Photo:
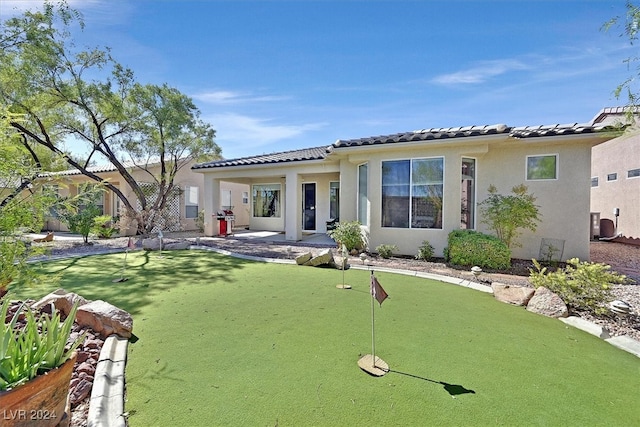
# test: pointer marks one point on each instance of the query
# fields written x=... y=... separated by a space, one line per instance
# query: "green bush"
x=200 y=221
x=348 y=234
x=425 y=251
x=581 y=285
x=385 y=251
x=103 y=227
x=468 y=248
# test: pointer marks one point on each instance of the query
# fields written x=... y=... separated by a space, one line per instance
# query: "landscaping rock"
x=152 y=244
x=177 y=246
x=512 y=294
x=302 y=259
x=323 y=258
x=79 y=391
x=105 y=319
x=61 y=299
x=547 y=303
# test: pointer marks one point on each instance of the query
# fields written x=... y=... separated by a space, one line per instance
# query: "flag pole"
x=373 y=329
x=369 y=362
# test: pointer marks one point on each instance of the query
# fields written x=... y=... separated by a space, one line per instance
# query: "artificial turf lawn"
x=224 y=341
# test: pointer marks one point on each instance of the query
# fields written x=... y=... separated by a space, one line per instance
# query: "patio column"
x=292 y=208
x=211 y=199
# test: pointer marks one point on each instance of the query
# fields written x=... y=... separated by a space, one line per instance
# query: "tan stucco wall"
x=618 y=156
x=185 y=177
x=287 y=175
x=564 y=203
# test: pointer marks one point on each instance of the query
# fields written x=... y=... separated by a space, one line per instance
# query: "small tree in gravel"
x=80 y=212
x=507 y=215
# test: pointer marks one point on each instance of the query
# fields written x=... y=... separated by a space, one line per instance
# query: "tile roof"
x=471 y=131
x=315 y=153
x=554 y=130
x=422 y=135
x=92 y=169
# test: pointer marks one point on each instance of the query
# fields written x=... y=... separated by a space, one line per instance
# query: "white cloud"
x=480 y=73
x=236 y=132
x=231 y=97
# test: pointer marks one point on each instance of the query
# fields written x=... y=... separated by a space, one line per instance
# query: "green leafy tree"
x=62 y=93
x=508 y=215
x=628 y=26
x=22 y=208
x=80 y=212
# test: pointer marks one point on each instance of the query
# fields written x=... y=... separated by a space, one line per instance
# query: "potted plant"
x=36 y=364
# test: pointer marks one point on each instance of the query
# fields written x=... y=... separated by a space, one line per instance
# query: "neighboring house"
x=615 y=178
x=183 y=207
x=410 y=187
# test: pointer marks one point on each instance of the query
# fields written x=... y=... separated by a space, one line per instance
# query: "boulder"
x=512 y=294
x=177 y=246
x=323 y=258
x=151 y=244
x=301 y=259
x=62 y=300
x=547 y=303
x=105 y=319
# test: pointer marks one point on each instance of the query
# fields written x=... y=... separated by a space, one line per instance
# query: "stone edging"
x=106 y=407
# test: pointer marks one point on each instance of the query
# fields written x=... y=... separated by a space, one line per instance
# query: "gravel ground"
x=622 y=258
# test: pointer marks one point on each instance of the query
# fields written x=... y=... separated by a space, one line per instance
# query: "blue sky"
x=279 y=75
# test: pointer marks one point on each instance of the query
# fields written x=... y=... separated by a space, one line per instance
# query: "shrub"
x=103 y=226
x=425 y=251
x=581 y=285
x=506 y=215
x=200 y=221
x=468 y=247
x=348 y=234
x=385 y=251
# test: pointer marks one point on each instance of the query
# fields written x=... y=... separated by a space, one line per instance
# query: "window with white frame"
x=245 y=197
x=612 y=177
x=363 y=198
x=334 y=200
x=266 y=200
x=542 y=167
x=633 y=173
x=594 y=181
x=191 y=202
x=412 y=193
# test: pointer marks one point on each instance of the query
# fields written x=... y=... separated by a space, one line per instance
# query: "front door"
x=309 y=206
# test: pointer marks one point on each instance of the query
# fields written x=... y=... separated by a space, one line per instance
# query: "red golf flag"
x=376 y=290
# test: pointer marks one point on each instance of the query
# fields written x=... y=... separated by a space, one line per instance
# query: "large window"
x=542 y=167
x=266 y=200
x=191 y=202
x=363 y=182
x=412 y=193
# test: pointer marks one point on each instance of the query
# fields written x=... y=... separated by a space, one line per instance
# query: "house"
x=418 y=186
x=615 y=179
x=184 y=207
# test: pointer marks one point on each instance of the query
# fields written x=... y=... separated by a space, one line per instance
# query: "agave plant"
x=35 y=348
